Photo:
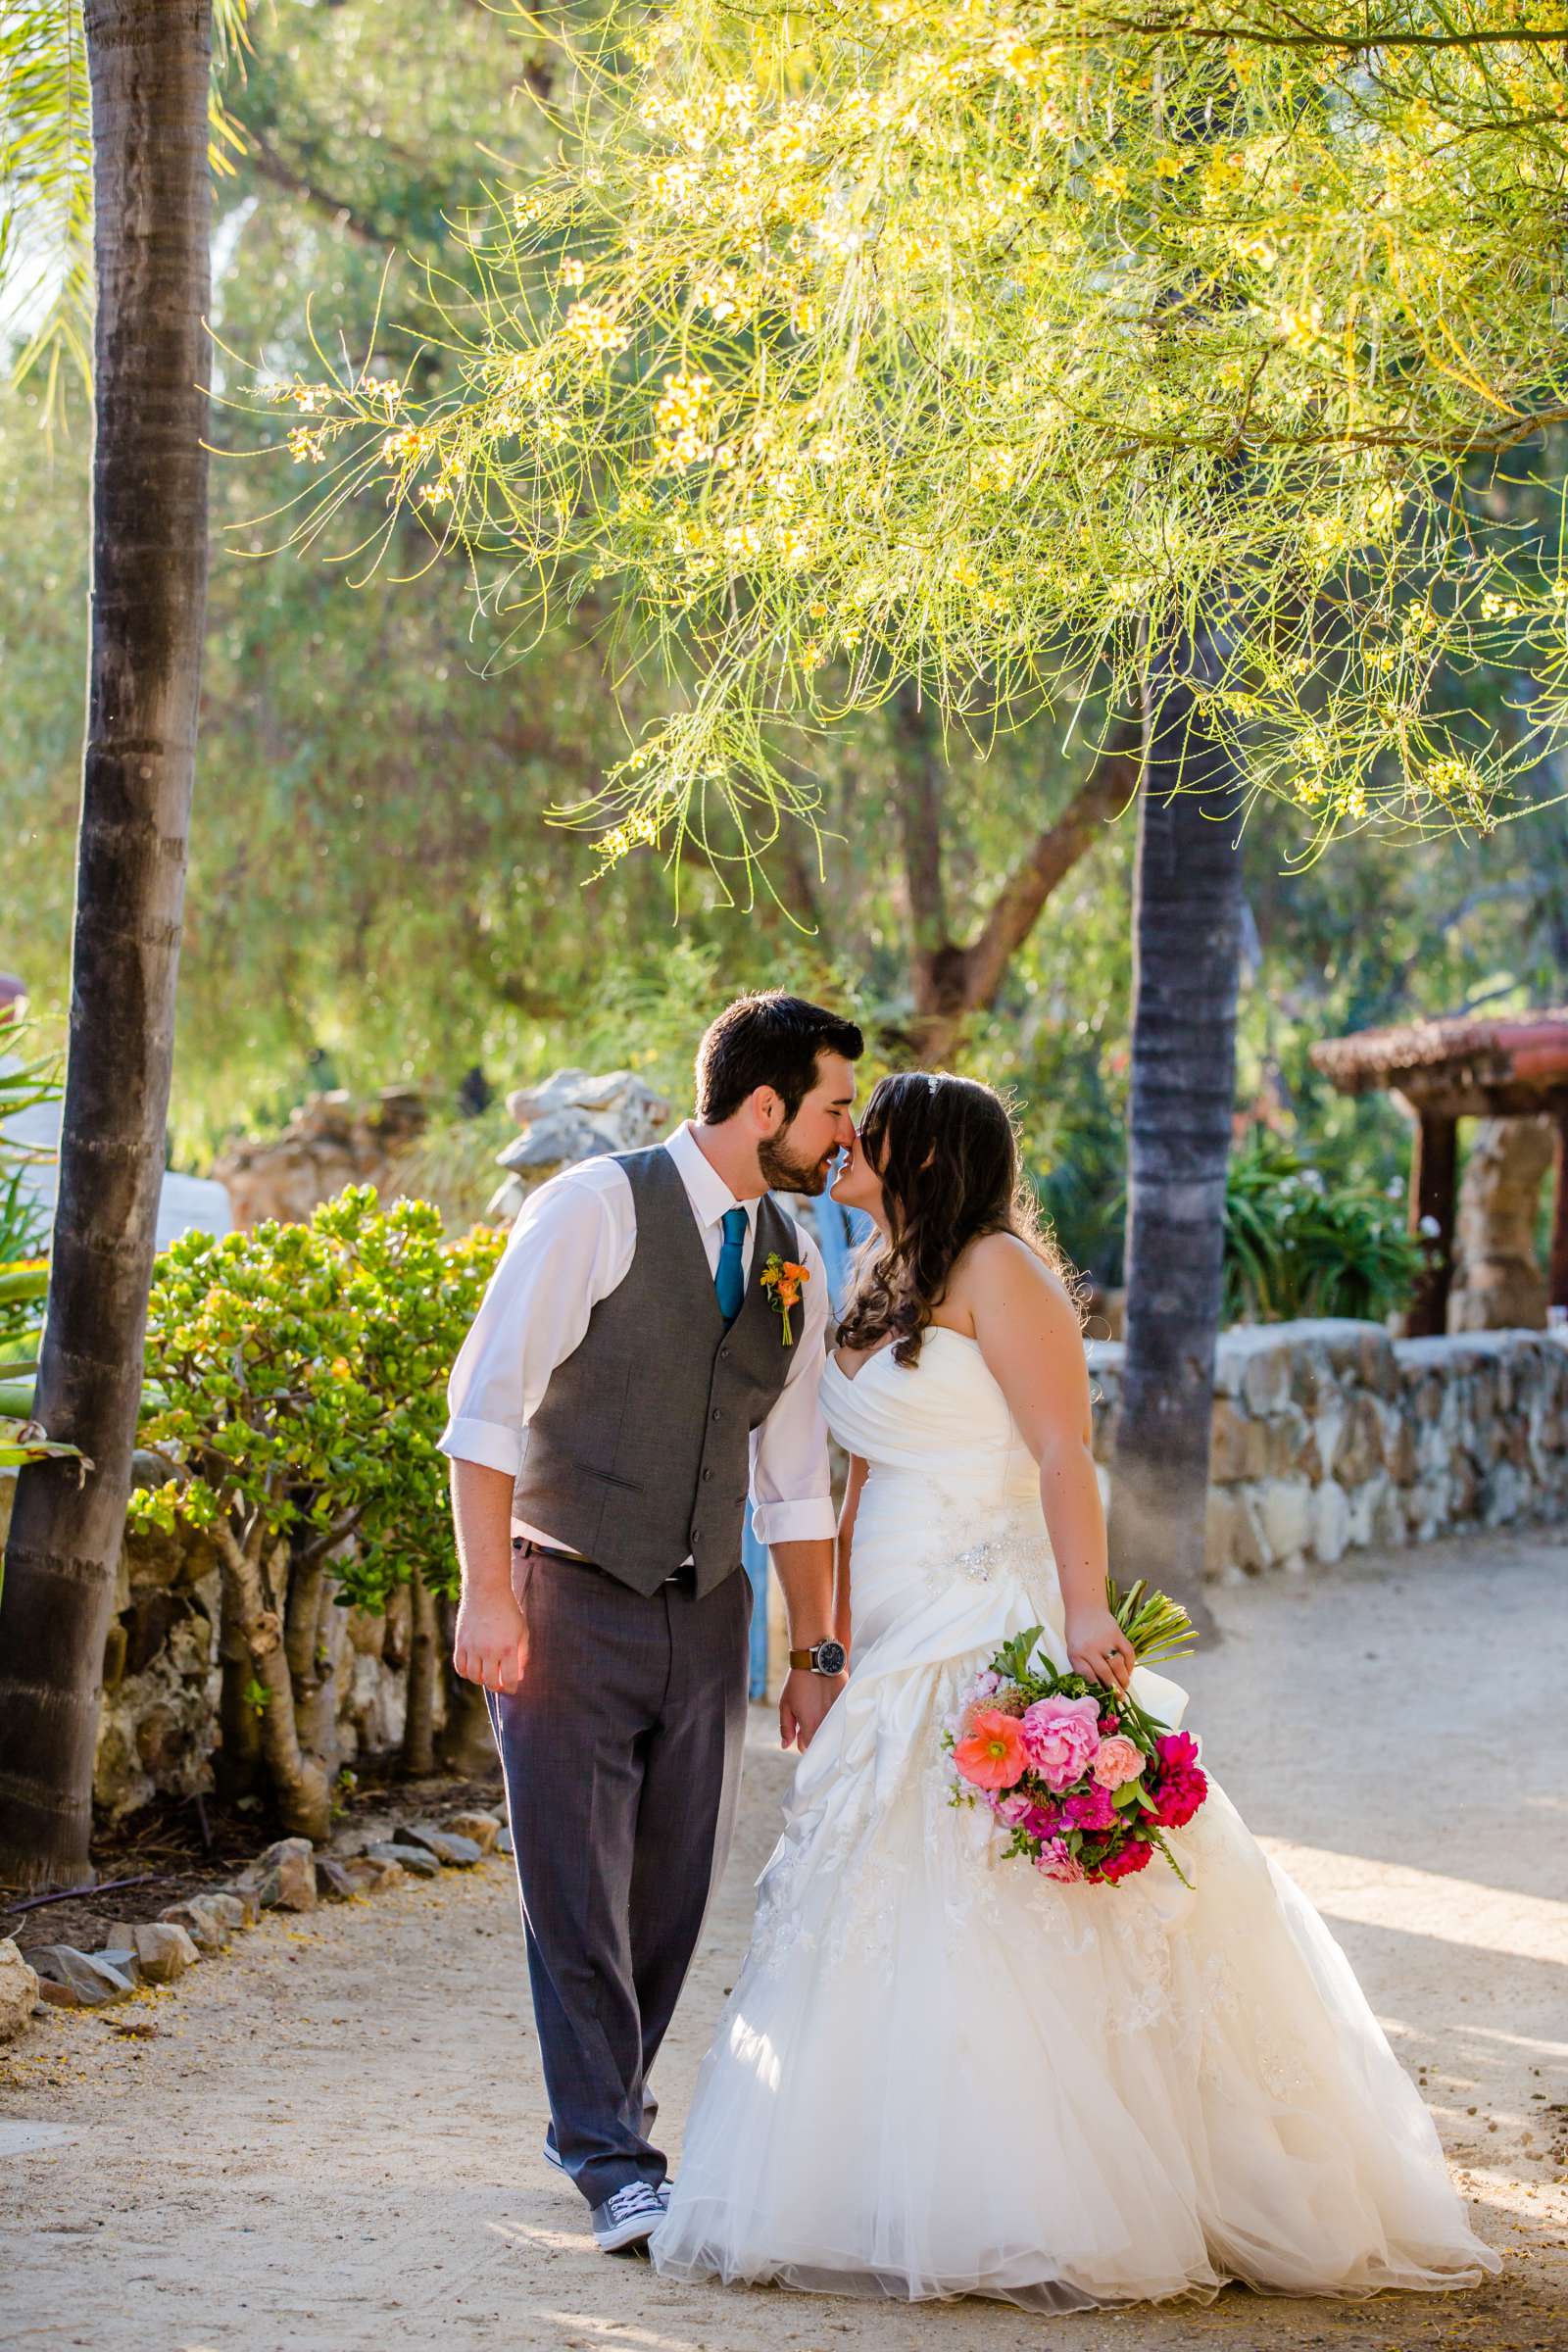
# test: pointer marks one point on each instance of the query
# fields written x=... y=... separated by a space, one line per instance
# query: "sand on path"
x=330 y=2138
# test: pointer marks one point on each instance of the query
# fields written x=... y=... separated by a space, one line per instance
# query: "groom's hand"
x=803 y=1702
x=490 y=1645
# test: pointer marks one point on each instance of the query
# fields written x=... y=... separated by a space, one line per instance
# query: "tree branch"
x=271 y=166
x=1055 y=851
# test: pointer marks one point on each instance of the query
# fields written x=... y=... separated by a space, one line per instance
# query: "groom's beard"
x=787 y=1174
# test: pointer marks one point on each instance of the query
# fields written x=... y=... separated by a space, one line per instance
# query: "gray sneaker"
x=625 y=2222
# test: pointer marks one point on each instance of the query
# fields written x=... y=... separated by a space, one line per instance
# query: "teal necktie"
x=729 y=1276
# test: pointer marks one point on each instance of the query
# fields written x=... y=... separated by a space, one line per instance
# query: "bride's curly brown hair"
x=947 y=1157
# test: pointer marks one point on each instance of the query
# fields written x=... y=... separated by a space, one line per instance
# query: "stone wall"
x=158 y=1727
x=1330 y=1436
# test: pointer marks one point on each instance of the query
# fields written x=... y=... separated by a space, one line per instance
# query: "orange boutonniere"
x=784 y=1281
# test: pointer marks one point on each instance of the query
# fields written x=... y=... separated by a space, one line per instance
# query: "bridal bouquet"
x=1082 y=1780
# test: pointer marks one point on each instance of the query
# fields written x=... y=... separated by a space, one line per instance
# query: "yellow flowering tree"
x=1027 y=356
x=993 y=346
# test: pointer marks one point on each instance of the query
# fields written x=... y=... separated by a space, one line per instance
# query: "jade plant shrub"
x=1297 y=1244
x=297 y=1390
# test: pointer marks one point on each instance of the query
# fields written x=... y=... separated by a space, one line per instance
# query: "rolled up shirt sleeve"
x=792 y=1488
x=566 y=1253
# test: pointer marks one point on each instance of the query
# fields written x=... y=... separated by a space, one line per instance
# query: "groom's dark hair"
x=768 y=1039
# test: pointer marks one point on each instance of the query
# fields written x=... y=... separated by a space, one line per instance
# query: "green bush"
x=1297 y=1244
x=297 y=1390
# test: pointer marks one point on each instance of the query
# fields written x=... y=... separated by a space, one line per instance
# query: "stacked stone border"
x=289 y=1877
x=1329 y=1435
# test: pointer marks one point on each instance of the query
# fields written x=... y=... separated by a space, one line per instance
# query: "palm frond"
x=46 y=289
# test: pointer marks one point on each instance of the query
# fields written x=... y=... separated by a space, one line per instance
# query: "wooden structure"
x=1444 y=1071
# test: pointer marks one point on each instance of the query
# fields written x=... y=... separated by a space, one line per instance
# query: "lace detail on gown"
x=1193 y=2086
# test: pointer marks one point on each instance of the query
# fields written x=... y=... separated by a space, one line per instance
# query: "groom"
x=629 y=1377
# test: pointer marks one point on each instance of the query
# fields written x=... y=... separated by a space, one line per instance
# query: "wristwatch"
x=827 y=1658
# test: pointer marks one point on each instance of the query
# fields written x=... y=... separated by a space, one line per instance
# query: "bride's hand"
x=1099 y=1650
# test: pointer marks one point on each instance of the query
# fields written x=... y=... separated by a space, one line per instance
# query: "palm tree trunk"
x=148 y=62
x=1186 y=955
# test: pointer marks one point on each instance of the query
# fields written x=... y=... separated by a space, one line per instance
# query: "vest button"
x=707 y=1475
x=719 y=1413
x=723 y=1355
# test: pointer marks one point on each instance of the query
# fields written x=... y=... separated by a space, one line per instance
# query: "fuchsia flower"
x=1091 y=1809
x=1134 y=1855
x=1061 y=1735
x=994 y=1754
x=1116 y=1762
x=1181 y=1787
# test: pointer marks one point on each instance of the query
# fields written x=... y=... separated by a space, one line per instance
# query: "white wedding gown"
x=940 y=2075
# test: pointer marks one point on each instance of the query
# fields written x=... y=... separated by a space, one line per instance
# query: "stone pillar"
x=1498 y=1283
x=1557 y=1271
x=1433 y=1160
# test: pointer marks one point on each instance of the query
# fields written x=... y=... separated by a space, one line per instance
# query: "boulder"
x=164 y=1949
x=19 y=1990
x=572 y=1117
x=482 y=1827
x=415 y=1859
x=73 y=1979
x=334 y=1883
x=504 y=1845
x=458 y=1852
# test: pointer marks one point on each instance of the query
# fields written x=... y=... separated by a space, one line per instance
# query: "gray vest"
x=639 y=1454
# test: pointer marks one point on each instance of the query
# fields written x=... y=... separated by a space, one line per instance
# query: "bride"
x=943 y=2075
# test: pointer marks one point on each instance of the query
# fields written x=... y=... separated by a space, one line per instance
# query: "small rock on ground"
x=73 y=1979
x=284 y=1878
x=164 y=1949
x=458 y=1852
x=412 y=1858
x=19 y=1990
x=483 y=1828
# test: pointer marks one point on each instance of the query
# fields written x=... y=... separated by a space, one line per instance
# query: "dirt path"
x=330 y=2139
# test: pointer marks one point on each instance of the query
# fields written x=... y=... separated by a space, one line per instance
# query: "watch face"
x=830 y=1658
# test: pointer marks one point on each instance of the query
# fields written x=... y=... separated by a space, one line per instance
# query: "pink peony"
x=1061 y=1735
x=1116 y=1762
x=1013 y=1810
x=1181 y=1787
x=1133 y=1856
x=1090 y=1810
x=992 y=1756
x=1056 y=1862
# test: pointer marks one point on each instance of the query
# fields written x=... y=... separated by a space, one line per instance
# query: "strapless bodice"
x=941 y=1421
x=950 y=1512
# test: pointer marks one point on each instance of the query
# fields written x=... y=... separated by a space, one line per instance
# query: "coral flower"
x=992 y=1756
x=1116 y=1762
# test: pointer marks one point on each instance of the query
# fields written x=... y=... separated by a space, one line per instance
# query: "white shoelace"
x=637 y=2198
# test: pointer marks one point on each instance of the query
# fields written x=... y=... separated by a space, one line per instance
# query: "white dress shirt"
x=571 y=1246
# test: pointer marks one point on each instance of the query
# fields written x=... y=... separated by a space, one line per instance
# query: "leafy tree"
x=301 y=1383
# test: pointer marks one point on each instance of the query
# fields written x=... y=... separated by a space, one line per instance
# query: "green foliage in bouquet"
x=1296 y=1245
x=298 y=1390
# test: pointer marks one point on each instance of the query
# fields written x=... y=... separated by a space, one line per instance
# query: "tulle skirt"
x=943 y=2074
